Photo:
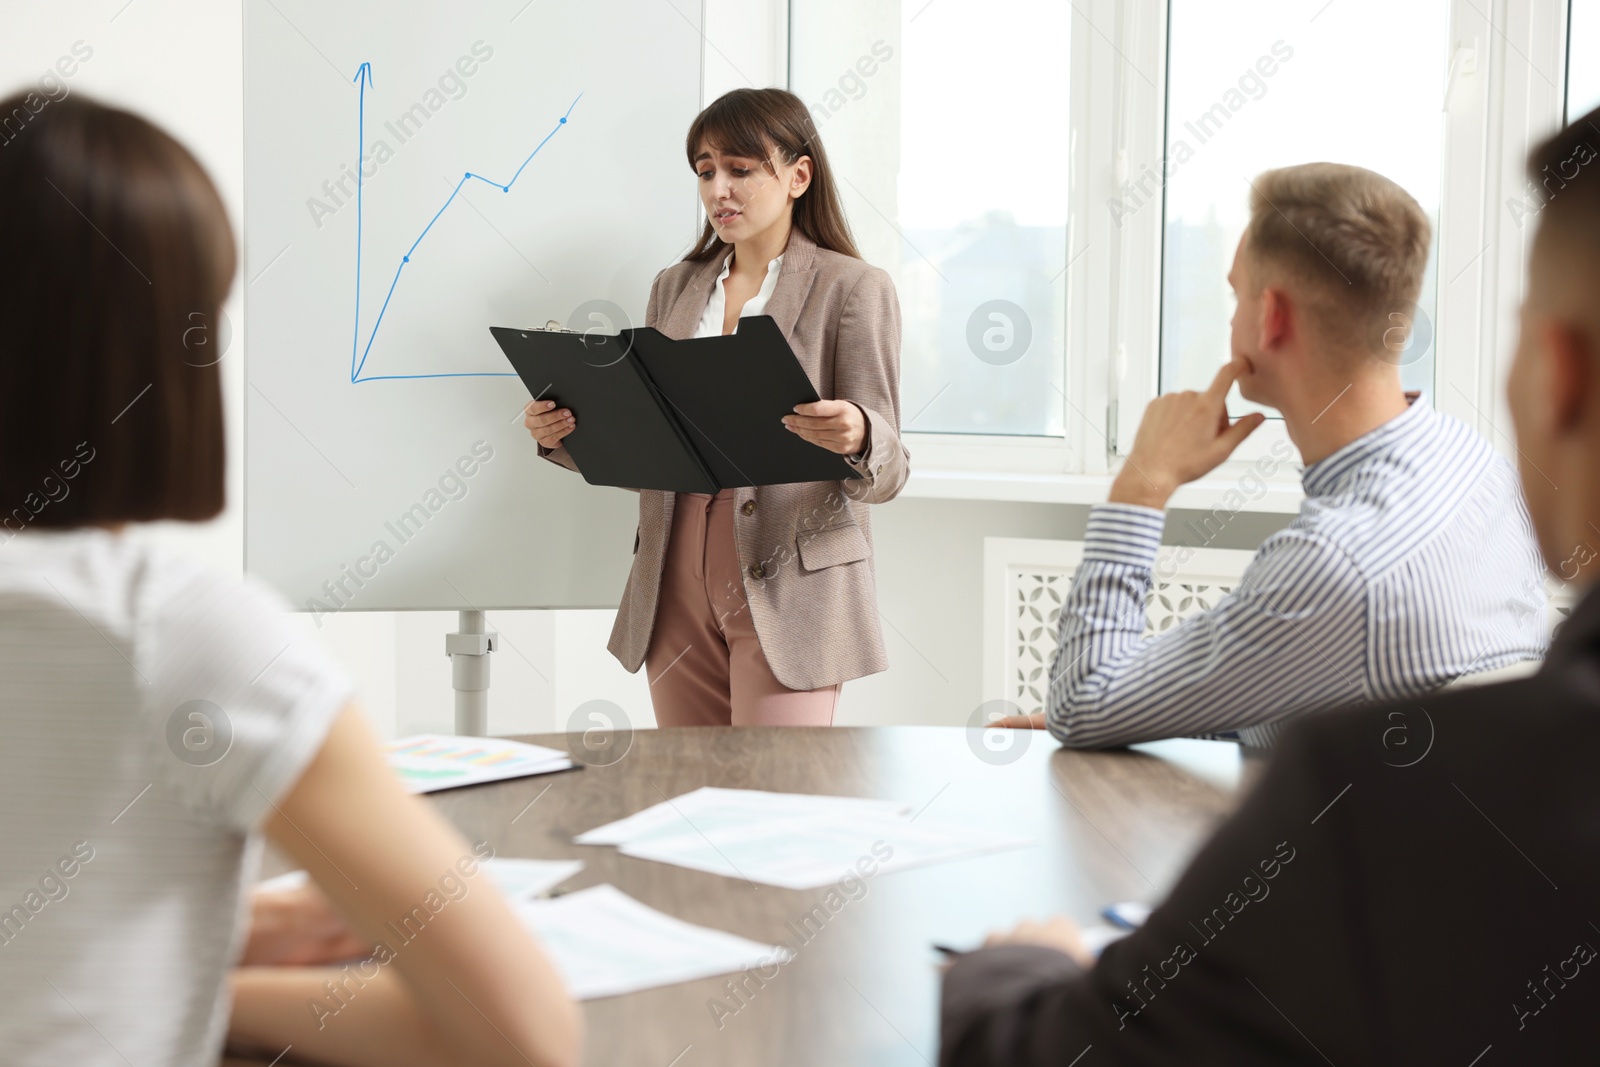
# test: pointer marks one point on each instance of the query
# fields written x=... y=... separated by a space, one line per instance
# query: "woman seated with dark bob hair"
x=157 y=717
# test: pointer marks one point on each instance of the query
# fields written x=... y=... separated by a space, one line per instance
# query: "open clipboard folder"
x=690 y=416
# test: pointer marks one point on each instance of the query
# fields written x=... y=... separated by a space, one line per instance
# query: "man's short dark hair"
x=115 y=257
x=1565 y=170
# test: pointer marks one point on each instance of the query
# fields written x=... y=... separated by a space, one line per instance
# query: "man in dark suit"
x=1415 y=882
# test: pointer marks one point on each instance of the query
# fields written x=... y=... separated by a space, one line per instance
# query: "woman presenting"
x=754 y=605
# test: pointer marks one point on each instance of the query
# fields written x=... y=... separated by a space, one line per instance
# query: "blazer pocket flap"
x=826 y=548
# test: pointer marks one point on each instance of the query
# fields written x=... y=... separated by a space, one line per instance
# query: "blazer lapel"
x=794 y=281
x=788 y=295
x=684 y=315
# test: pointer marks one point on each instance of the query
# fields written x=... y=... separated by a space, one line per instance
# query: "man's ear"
x=1276 y=324
x=1570 y=379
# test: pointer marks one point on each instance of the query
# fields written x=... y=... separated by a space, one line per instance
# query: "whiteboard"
x=519 y=162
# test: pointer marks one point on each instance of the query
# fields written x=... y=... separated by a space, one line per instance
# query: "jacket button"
x=749 y=507
x=757 y=571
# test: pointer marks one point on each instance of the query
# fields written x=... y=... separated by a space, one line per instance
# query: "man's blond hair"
x=1356 y=241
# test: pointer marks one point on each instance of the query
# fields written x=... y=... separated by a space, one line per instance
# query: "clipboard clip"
x=552 y=326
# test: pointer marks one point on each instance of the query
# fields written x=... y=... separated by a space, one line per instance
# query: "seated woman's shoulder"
x=177 y=586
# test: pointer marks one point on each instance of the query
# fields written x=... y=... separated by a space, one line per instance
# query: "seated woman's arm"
x=470 y=986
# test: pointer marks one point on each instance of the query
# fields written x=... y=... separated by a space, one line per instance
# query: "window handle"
x=1463 y=62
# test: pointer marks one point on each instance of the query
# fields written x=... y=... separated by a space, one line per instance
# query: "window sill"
x=1280 y=498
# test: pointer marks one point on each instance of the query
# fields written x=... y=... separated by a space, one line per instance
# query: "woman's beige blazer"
x=805 y=550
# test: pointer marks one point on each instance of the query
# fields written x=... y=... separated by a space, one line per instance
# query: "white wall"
x=177 y=61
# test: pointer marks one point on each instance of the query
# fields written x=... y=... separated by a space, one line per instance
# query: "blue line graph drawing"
x=363 y=79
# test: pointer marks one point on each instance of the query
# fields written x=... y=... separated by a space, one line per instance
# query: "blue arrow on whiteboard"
x=363 y=79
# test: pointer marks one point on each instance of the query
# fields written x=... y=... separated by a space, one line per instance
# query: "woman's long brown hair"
x=116 y=256
x=759 y=123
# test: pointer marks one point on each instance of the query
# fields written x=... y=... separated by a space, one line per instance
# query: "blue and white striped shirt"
x=1412 y=562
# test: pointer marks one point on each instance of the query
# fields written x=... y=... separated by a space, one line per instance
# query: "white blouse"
x=717 y=306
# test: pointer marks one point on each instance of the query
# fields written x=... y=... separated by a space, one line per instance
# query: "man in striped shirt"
x=1411 y=563
x=1367 y=905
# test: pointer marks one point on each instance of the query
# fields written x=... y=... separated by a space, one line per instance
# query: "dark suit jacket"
x=1410 y=883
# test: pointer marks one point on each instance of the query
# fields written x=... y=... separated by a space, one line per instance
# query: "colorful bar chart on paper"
x=427 y=762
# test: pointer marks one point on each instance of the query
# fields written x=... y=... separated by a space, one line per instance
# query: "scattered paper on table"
x=709 y=808
x=524 y=879
x=810 y=851
x=605 y=943
x=428 y=762
x=519 y=879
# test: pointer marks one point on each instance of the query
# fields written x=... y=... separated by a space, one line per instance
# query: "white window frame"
x=1496 y=116
x=1506 y=92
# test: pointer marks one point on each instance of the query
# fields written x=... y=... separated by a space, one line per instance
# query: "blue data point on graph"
x=363 y=78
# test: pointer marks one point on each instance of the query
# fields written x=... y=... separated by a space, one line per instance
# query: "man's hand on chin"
x=1183 y=436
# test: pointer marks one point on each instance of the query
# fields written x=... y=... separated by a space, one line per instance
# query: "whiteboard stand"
x=469 y=671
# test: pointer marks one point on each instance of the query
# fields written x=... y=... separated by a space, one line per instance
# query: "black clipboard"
x=691 y=416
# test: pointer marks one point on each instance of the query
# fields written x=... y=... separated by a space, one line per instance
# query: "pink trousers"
x=705 y=663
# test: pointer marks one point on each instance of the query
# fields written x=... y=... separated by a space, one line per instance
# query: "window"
x=1088 y=163
x=948 y=133
x=1276 y=83
x=1583 y=58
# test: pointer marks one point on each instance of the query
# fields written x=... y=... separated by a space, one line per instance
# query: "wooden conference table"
x=863 y=990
